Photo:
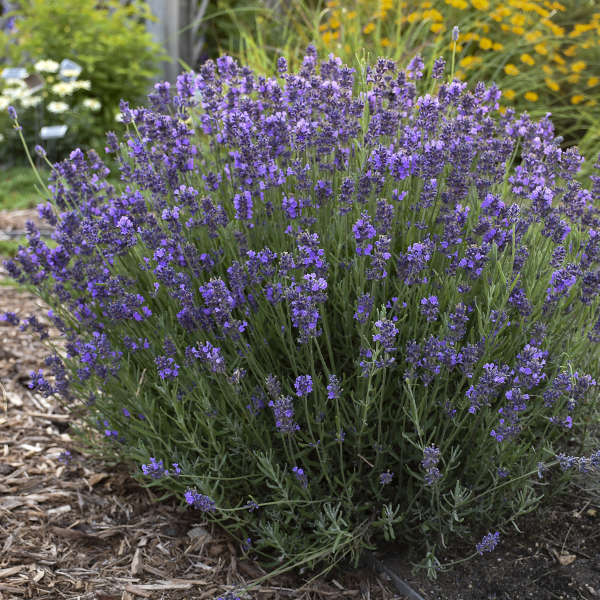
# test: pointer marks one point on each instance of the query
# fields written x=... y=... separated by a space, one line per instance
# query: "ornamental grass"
x=328 y=308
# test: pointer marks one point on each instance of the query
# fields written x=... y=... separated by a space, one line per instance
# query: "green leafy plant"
x=328 y=308
x=109 y=40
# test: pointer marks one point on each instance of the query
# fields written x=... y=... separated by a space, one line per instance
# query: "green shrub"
x=328 y=311
x=110 y=42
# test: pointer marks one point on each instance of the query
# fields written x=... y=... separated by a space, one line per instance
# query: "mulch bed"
x=85 y=529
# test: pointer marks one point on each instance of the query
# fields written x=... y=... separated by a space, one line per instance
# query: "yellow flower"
x=414 y=16
x=540 y=11
x=433 y=15
x=518 y=30
x=368 y=28
x=578 y=66
x=541 y=48
x=577 y=99
x=557 y=58
x=581 y=28
x=385 y=42
x=334 y=23
x=480 y=4
x=485 y=43
x=573 y=78
x=333 y=3
x=518 y=20
x=509 y=94
x=591 y=102
x=500 y=13
x=504 y=27
x=531 y=96
x=497 y=46
x=533 y=36
x=557 y=30
x=467 y=61
x=592 y=81
x=438 y=27
x=552 y=84
x=351 y=14
x=329 y=36
x=570 y=51
x=547 y=69
x=502 y=110
x=460 y=4
x=510 y=69
x=323 y=27
x=527 y=59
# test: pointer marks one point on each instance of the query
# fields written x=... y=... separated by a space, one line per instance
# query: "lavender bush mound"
x=326 y=310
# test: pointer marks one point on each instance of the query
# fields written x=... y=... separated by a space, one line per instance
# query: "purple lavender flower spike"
x=199 y=501
x=283 y=411
x=303 y=385
x=488 y=543
x=301 y=476
x=386 y=478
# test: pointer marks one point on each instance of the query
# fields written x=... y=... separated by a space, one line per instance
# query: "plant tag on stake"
x=14 y=73
x=69 y=70
x=53 y=132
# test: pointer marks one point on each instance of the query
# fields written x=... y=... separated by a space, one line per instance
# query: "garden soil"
x=84 y=529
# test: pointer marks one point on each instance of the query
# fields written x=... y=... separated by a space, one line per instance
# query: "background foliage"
x=109 y=40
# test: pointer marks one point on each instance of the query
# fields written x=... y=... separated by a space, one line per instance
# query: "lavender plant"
x=327 y=310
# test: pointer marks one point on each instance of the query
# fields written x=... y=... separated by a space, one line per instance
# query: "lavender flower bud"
x=488 y=543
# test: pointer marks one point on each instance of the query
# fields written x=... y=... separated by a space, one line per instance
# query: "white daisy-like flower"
x=92 y=104
x=31 y=101
x=46 y=66
x=84 y=84
x=119 y=117
x=57 y=107
x=63 y=89
x=4 y=103
x=70 y=72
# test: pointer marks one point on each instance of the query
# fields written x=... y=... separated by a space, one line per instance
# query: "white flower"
x=14 y=93
x=84 y=84
x=70 y=72
x=31 y=101
x=4 y=103
x=46 y=66
x=57 y=107
x=119 y=117
x=1 y=138
x=93 y=104
x=63 y=89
